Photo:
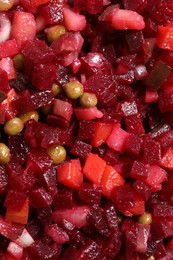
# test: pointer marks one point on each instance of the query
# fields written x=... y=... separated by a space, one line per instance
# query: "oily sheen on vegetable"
x=86 y=130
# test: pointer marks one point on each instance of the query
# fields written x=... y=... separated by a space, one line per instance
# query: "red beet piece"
x=134 y=40
x=151 y=150
x=57 y=234
x=111 y=157
x=34 y=228
x=48 y=181
x=55 y=120
x=97 y=219
x=128 y=108
x=91 y=250
x=163 y=212
x=139 y=171
x=143 y=189
x=77 y=216
x=90 y=193
x=136 y=5
x=142 y=234
x=134 y=124
x=39 y=198
x=134 y=144
x=18 y=149
x=26 y=101
x=43 y=251
x=86 y=130
x=111 y=216
x=100 y=83
x=52 y=13
x=160 y=229
x=43 y=76
x=81 y=149
x=62 y=75
x=10 y=230
x=165 y=102
x=128 y=201
x=39 y=160
x=4 y=86
x=14 y=200
x=63 y=199
x=3 y=178
x=45 y=215
x=112 y=245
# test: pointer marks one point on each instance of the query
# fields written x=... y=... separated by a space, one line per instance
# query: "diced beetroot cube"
x=10 y=230
x=77 y=216
x=59 y=121
x=26 y=101
x=87 y=113
x=90 y=193
x=134 y=124
x=33 y=227
x=40 y=198
x=128 y=201
x=48 y=181
x=133 y=144
x=156 y=176
x=91 y=250
x=165 y=101
x=62 y=75
x=167 y=193
x=18 y=149
x=161 y=229
x=128 y=108
x=41 y=250
x=57 y=234
x=161 y=252
x=151 y=96
x=14 y=200
x=68 y=42
x=151 y=151
x=143 y=189
x=73 y=20
x=4 y=82
x=81 y=149
x=117 y=138
x=8 y=49
x=39 y=160
x=143 y=232
x=63 y=199
x=6 y=64
x=163 y=212
x=137 y=5
x=167 y=160
x=111 y=216
x=86 y=130
x=70 y=174
x=53 y=12
x=139 y=171
x=44 y=76
x=62 y=108
x=37 y=52
x=134 y=40
x=111 y=157
x=80 y=5
x=23 y=28
x=3 y=178
x=45 y=215
x=97 y=219
x=14 y=250
x=93 y=7
x=112 y=246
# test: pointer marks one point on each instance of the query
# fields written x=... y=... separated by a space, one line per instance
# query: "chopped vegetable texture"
x=86 y=129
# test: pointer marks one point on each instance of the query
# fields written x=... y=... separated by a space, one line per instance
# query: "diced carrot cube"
x=94 y=168
x=110 y=180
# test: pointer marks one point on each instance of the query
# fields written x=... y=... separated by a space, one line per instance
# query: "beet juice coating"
x=86 y=129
